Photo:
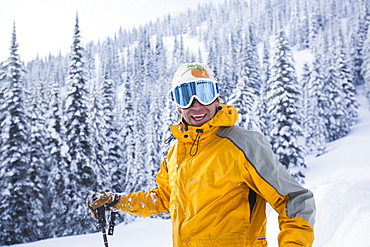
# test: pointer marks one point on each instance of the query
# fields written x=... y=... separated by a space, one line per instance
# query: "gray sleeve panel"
x=257 y=151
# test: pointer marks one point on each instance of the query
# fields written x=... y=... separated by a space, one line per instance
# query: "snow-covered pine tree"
x=153 y=139
x=90 y=63
x=159 y=95
x=98 y=138
x=39 y=167
x=261 y=110
x=214 y=54
x=113 y=169
x=110 y=64
x=358 y=38
x=111 y=78
x=135 y=129
x=294 y=23
x=143 y=85
x=245 y=94
x=313 y=123
x=342 y=63
x=178 y=53
x=333 y=105
x=243 y=99
x=303 y=27
x=169 y=113
x=3 y=89
x=284 y=104
x=113 y=152
x=304 y=78
x=16 y=187
x=316 y=24
x=238 y=47
x=128 y=129
x=318 y=99
x=125 y=136
x=2 y=74
x=228 y=71
x=252 y=61
x=53 y=147
x=80 y=178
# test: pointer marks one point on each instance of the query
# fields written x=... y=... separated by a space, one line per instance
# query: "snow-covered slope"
x=341 y=183
x=144 y=232
x=340 y=180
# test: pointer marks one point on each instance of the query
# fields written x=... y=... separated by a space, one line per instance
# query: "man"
x=217 y=177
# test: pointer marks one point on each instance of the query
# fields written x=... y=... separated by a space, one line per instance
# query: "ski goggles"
x=205 y=91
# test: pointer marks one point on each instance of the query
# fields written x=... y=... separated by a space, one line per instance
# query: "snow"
x=144 y=232
x=340 y=180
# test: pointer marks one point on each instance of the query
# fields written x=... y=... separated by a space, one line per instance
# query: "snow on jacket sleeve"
x=149 y=203
x=269 y=178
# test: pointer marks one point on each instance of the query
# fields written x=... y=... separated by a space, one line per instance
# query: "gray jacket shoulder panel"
x=257 y=151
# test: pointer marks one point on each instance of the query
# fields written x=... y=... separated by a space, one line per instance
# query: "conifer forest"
x=98 y=117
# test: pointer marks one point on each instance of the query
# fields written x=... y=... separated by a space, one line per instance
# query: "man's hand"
x=99 y=199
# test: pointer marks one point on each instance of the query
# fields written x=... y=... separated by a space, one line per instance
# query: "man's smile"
x=198 y=117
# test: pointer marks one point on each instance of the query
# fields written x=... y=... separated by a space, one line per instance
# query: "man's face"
x=197 y=114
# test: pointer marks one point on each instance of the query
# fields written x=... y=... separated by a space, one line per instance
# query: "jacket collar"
x=227 y=115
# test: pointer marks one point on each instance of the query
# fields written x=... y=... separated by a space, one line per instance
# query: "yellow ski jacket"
x=215 y=181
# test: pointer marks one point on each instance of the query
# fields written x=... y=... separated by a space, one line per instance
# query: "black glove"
x=99 y=199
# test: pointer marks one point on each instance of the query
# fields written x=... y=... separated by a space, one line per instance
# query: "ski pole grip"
x=101 y=213
x=101 y=216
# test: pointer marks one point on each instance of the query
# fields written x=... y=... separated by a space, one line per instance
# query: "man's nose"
x=196 y=104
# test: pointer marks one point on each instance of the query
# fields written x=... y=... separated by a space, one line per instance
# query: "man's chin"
x=198 y=123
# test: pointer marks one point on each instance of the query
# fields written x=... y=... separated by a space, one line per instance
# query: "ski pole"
x=112 y=223
x=102 y=223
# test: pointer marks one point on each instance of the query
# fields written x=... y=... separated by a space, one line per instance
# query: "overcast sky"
x=46 y=26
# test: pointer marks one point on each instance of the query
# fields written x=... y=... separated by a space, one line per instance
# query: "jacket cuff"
x=115 y=201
